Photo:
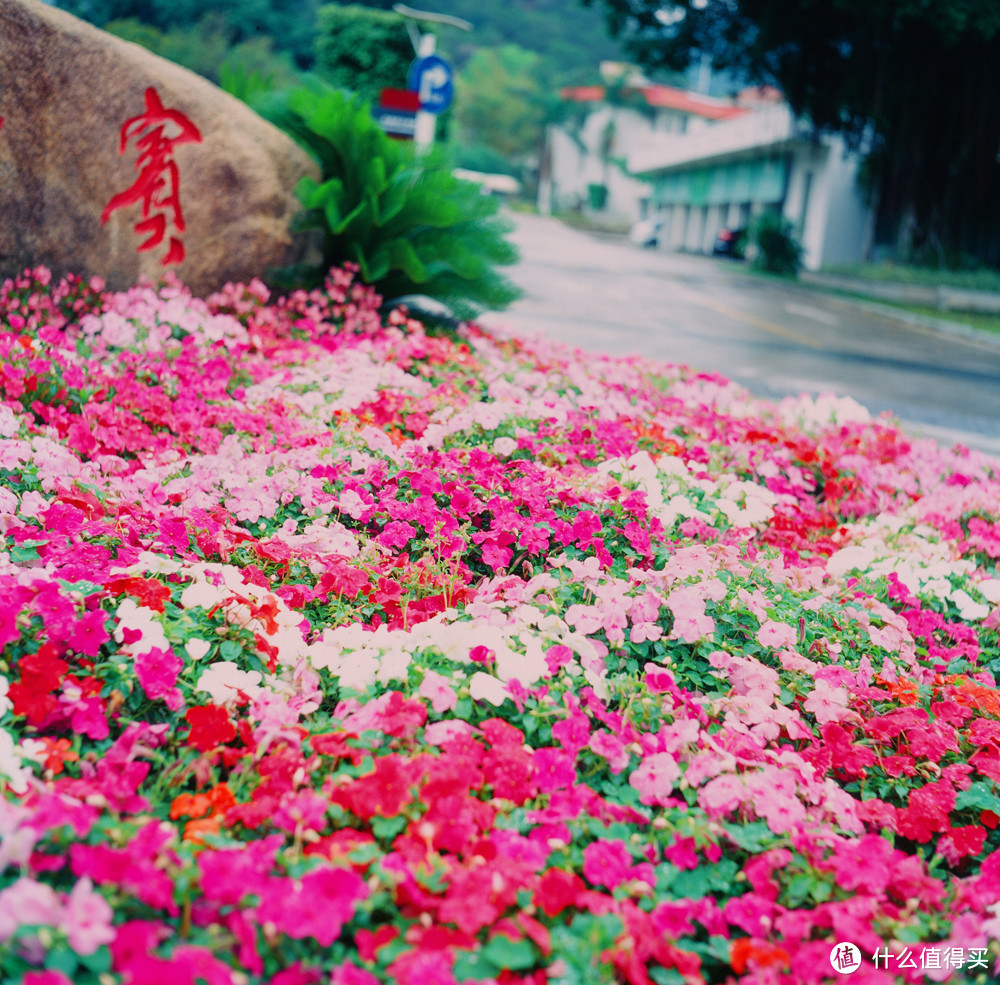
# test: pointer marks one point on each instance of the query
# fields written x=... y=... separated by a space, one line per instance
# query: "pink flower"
x=655 y=778
x=611 y=748
x=351 y=974
x=828 y=704
x=690 y=620
x=776 y=634
x=88 y=919
x=28 y=903
x=317 y=905
x=554 y=769
x=89 y=633
x=45 y=978
x=438 y=690
x=723 y=794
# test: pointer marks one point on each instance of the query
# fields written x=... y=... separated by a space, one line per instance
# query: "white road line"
x=807 y=311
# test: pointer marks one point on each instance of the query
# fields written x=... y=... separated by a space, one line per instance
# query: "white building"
x=703 y=165
x=586 y=161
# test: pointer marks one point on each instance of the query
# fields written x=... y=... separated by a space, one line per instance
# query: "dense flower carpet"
x=338 y=651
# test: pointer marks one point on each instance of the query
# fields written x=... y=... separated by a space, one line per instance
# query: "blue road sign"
x=431 y=78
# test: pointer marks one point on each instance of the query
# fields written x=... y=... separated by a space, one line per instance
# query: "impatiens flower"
x=826 y=703
x=157 y=672
x=317 y=905
x=605 y=744
x=655 y=778
x=224 y=681
x=776 y=634
x=87 y=919
x=608 y=863
x=28 y=903
x=210 y=727
x=691 y=622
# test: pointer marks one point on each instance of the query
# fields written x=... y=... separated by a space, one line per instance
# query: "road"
x=603 y=294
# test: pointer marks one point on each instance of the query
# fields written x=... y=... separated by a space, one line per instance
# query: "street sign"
x=396 y=112
x=430 y=77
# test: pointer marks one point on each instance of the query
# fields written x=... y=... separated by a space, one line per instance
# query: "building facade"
x=701 y=165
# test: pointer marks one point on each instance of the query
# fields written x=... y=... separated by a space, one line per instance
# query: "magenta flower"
x=607 y=863
x=157 y=672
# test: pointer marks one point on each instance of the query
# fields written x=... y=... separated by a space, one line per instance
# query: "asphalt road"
x=604 y=294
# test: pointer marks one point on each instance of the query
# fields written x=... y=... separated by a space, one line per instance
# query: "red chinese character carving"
x=156 y=133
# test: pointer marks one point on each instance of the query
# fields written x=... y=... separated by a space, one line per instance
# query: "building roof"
x=758 y=132
x=662 y=97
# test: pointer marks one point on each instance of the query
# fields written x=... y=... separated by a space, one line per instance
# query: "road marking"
x=747 y=319
x=809 y=312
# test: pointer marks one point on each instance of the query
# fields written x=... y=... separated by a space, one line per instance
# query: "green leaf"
x=386 y=828
x=754 y=837
x=25 y=551
x=506 y=953
x=99 y=962
x=231 y=650
x=980 y=796
x=62 y=959
x=471 y=966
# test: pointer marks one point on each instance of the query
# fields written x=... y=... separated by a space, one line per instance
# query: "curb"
x=941 y=325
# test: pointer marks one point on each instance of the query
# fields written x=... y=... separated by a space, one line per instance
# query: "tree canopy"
x=914 y=85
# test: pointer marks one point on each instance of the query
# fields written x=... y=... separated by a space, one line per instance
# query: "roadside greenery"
x=777 y=249
x=409 y=224
x=976 y=278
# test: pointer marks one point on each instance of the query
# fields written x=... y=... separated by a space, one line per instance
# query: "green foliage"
x=289 y=24
x=409 y=224
x=361 y=49
x=778 y=251
x=501 y=101
x=480 y=157
x=208 y=48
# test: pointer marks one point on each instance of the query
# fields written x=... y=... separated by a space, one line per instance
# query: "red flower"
x=148 y=591
x=41 y=673
x=210 y=727
x=745 y=951
x=384 y=792
x=557 y=890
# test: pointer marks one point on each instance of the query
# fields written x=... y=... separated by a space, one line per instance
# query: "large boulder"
x=116 y=162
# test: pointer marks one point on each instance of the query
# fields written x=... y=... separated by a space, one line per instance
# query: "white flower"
x=138 y=617
x=223 y=679
x=485 y=687
x=968 y=607
x=356 y=670
x=393 y=666
x=197 y=648
x=504 y=446
x=10 y=764
x=201 y=593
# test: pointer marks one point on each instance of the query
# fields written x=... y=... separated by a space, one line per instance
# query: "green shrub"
x=778 y=251
x=409 y=224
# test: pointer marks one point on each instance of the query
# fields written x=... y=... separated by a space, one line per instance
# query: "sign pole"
x=423 y=137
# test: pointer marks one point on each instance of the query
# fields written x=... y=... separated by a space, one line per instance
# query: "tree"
x=501 y=101
x=914 y=85
x=291 y=24
x=362 y=49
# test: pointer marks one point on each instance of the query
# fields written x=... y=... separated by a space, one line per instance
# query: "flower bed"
x=338 y=652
